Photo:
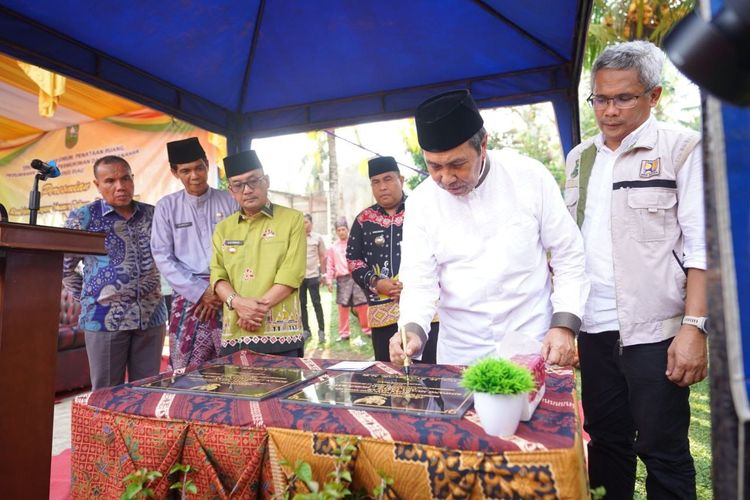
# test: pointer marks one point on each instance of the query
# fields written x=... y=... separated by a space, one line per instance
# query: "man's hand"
x=559 y=346
x=687 y=357
x=389 y=288
x=208 y=306
x=395 y=348
x=330 y=287
x=250 y=311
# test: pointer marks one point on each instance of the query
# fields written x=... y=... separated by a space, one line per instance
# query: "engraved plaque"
x=427 y=396
x=252 y=382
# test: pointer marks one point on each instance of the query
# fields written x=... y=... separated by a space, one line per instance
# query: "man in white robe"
x=488 y=243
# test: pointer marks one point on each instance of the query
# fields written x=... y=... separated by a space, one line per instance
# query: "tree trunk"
x=334 y=197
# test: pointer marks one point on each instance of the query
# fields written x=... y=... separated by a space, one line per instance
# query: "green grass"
x=700 y=437
x=700 y=444
x=358 y=347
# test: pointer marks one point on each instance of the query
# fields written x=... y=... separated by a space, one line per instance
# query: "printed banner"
x=139 y=137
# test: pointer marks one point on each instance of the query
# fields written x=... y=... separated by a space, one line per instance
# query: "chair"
x=72 y=362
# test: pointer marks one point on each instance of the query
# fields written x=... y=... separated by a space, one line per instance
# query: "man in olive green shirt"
x=257 y=265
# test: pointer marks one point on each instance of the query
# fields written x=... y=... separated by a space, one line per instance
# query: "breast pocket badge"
x=650 y=168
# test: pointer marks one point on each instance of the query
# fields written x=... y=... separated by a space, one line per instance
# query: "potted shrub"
x=500 y=390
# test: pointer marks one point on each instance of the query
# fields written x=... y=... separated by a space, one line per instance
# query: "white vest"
x=650 y=281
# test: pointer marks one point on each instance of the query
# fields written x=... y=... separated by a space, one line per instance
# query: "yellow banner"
x=139 y=137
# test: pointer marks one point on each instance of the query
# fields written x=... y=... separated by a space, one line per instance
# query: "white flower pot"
x=500 y=413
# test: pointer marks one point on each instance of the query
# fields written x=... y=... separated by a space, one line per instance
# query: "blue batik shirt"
x=122 y=290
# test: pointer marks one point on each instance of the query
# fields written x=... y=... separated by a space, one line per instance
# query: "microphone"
x=46 y=169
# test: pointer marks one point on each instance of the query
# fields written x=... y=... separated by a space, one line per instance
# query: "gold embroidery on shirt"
x=248 y=274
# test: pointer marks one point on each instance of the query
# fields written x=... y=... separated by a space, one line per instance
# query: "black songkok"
x=447 y=120
x=381 y=165
x=185 y=151
x=241 y=163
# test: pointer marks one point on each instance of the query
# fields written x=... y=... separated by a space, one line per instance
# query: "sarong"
x=348 y=292
x=192 y=342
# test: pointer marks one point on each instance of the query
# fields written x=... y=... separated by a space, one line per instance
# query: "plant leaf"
x=304 y=471
x=131 y=491
x=498 y=376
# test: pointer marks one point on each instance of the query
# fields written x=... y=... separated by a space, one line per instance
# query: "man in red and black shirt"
x=374 y=255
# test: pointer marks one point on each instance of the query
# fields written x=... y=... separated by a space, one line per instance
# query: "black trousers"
x=631 y=408
x=381 y=336
x=313 y=286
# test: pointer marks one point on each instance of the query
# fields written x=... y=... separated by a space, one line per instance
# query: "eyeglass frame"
x=240 y=186
x=590 y=99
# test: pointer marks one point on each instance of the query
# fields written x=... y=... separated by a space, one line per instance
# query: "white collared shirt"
x=484 y=256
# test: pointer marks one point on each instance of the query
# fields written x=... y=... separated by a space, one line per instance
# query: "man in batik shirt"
x=122 y=310
x=374 y=256
x=181 y=243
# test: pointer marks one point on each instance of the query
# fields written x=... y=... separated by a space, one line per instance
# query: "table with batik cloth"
x=237 y=447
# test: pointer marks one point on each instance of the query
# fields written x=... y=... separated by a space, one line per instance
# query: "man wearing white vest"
x=636 y=191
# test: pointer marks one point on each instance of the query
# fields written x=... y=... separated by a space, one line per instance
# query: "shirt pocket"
x=272 y=252
x=650 y=213
x=235 y=255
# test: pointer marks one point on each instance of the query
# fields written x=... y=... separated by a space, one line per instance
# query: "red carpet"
x=59 y=478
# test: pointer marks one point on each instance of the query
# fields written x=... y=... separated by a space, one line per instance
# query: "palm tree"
x=333 y=178
x=625 y=20
x=615 y=21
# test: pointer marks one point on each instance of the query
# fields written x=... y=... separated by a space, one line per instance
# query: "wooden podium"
x=31 y=259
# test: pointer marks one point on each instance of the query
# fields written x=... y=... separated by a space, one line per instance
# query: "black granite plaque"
x=426 y=396
x=252 y=382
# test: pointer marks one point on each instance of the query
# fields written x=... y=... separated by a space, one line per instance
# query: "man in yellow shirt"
x=257 y=265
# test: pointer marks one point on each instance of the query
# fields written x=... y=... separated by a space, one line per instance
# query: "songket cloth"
x=242 y=447
x=373 y=252
x=191 y=341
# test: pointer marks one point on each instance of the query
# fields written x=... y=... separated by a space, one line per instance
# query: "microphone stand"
x=34 y=198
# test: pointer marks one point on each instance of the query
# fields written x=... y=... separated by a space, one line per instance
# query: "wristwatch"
x=229 y=300
x=700 y=322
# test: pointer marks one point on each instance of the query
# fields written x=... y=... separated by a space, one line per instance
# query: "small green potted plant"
x=501 y=390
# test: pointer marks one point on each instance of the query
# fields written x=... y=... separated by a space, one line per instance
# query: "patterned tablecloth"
x=237 y=446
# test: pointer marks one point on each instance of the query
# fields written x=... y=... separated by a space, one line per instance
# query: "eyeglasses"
x=238 y=187
x=622 y=101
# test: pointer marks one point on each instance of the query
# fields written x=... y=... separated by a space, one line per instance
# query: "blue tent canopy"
x=255 y=68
